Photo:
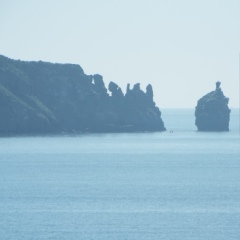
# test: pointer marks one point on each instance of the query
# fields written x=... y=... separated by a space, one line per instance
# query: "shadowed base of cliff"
x=41 y=97
x=212 y=112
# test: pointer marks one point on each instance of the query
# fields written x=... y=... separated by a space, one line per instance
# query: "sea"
x=175 y=185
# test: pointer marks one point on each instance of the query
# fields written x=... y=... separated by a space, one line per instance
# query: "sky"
x=181 y=47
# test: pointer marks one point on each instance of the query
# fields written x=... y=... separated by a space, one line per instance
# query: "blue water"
x=183 y=185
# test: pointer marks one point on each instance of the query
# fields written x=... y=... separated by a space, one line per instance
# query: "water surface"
x=183 y=185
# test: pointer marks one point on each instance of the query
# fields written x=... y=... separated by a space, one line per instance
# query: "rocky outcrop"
x=212 y=112
x=136 y=110
x=40 y=97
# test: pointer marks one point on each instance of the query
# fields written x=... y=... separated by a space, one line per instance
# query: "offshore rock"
x=212 y=112
x=41 y=97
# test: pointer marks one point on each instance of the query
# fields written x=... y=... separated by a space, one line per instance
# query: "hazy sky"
x=181 y=47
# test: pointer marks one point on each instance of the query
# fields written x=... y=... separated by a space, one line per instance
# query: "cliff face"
x=40 y=97
x=212 y=112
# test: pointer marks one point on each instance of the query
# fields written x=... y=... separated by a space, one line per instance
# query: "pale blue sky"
x=181 y=47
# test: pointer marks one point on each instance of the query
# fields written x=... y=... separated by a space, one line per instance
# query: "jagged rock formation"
x=212 y=112
x=40 y=97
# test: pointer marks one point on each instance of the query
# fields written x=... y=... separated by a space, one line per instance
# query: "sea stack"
x=212 y=112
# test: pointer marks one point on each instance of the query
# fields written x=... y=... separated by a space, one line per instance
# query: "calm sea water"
x=183 y=185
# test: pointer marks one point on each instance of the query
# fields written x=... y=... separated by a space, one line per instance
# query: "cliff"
x=212 y=112
x=41 y=97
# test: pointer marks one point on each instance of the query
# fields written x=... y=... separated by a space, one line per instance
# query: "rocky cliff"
x=41 y=97
x=212 y=112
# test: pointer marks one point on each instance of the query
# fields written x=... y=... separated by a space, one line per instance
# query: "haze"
x=181 y=47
